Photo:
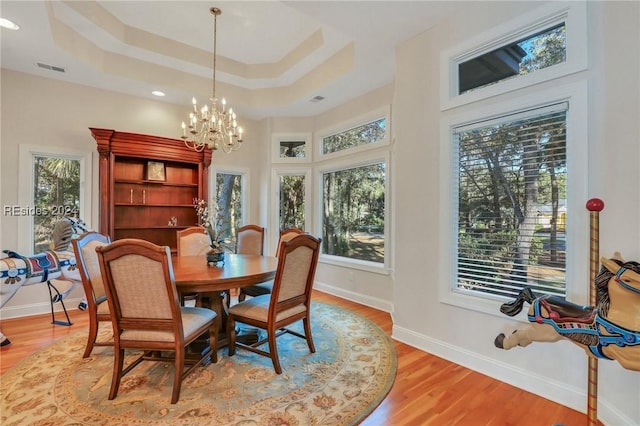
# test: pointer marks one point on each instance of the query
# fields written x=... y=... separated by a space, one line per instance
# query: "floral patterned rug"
x=351 y=372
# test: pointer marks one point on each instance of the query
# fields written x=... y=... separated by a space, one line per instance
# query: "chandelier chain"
x=213 y=126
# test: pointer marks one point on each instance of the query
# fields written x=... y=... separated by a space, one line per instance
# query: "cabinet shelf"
x=132 y=206
x=153 y=182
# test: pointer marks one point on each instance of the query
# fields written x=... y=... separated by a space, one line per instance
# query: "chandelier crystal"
x=213 y=126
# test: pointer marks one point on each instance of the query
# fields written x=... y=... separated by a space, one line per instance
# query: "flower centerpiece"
x=211 y=220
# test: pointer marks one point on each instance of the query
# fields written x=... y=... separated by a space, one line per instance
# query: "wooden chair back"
x=139 y=280
x=293 y=282
x=286 y=235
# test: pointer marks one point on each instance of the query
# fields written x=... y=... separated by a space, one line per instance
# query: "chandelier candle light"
x=213 y=126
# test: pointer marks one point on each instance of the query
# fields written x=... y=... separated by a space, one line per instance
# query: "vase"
x=214 y=257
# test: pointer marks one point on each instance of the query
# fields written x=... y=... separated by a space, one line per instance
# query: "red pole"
x=595 y=206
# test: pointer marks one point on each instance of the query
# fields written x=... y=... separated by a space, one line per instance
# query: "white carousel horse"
x=17 y=271
x=610 y=330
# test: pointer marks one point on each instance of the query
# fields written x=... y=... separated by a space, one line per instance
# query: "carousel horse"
x=610 y=330
x=59 y=263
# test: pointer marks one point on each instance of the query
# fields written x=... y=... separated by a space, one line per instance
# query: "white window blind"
x=509 y=189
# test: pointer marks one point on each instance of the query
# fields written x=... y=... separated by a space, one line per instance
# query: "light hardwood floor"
x=427 y=391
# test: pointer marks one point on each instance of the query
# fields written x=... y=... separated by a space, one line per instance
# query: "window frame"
x=575 y=94
x=26 y=155
x=573 y=14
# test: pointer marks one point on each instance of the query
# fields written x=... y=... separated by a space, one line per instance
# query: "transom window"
x=541 y=50
x=542 y=45
x=368 y=133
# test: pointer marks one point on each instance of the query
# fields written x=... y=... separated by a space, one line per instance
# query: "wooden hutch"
x=146 y=183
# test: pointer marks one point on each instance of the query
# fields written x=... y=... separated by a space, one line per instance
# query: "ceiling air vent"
x=316 y=98
x=50 y=67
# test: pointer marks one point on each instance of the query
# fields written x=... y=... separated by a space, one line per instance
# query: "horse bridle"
x=620 y=281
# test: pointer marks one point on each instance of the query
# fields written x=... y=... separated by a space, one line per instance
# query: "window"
x=291 y=205
x=51 y=187
x=352 y=189
x=544 y=44
x=229 y=197
x=292 y=201
x=514 y=167
x=291 y=147
x=511 y=191
x=541 y=50
x=353 y=212
x=513 y=208
x=56 y=194
x=368 y=133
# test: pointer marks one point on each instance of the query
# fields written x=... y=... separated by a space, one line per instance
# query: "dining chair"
x=250 y=240
x=146 y=313
x=290 y=300
x=265 y=288
x=84 y=248
x=192 y=241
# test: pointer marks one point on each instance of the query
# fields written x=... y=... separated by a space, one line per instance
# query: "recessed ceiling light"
x=5 y=23
x=157 y=93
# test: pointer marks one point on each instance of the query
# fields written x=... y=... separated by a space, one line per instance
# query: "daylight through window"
x=510 y=186
x=353 y=212
x=56 y=194
x=369 y=133
x=292 y=201
x=541 y=50
x=229 y=200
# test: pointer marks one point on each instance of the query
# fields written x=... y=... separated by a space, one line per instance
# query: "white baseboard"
x=559 y=392
x=372 y=302
x=39 y=308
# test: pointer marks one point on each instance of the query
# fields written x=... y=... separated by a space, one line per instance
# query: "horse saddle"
x=42 y=265
x=561 y=310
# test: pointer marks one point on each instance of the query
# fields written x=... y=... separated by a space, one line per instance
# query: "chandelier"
x=213 y=126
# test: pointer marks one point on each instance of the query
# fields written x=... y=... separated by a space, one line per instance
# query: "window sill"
x=468 y=300
x=363 y=265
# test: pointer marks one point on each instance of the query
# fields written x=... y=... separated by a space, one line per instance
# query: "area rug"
x=351 y=372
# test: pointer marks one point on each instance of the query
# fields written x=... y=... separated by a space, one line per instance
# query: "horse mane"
x=602 y=284
x=64 y=230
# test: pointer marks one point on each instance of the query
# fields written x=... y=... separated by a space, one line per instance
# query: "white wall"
x=556 y=371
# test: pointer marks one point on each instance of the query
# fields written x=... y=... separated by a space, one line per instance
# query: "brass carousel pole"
x=595 y=206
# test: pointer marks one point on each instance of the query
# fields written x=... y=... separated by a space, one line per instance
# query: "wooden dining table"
x=192 y=274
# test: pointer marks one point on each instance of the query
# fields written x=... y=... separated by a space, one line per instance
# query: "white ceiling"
x=273 y=56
